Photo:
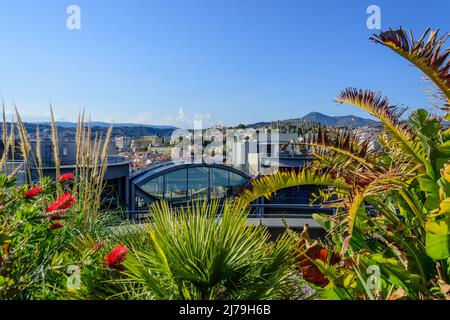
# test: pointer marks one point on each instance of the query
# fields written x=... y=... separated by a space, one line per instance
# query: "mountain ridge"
x=68 y=129
x=317 y=117
x=102 y=124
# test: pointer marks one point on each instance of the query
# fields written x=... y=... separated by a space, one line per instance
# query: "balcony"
x=117 y=167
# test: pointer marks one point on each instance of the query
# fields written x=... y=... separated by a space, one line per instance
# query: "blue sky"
x=227 y=61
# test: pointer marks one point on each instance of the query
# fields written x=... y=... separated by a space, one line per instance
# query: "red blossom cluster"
x=116 y=257
x=33 y=192
x=62 y=203
x=65 y=177
x=57 y=209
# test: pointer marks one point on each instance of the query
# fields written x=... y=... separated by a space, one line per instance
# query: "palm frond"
x=267 y=185
x=379 y=107
x=207 y=251
x=426 y=55
x=341 y=142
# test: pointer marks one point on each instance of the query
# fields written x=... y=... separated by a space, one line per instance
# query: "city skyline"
x=168 y=63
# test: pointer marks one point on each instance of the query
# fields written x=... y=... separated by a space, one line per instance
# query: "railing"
x=156 y=166
x=113 y=159
x=304 y=211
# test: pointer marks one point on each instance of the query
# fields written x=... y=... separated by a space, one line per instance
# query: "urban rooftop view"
x=306 y=162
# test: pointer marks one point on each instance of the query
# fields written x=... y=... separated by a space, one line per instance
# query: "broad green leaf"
x=440 y=227
x=437 y=245
x=439 y=223
x=323 y=220
x=445 y=147
x=428 y=185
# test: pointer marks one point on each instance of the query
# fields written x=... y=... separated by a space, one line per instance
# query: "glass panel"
x=154 y=187
x=219 y=183
x=236 y=180
x=198 y=182
x=176 y=186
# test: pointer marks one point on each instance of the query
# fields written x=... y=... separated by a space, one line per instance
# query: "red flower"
x=33 y=192
x=116 y=257
x=62 y=203
x=57 y=216
x=6 y=247
x=65 y=177
x=310 y=271
x=56 y=225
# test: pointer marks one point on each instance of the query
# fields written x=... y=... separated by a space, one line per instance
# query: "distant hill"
x=317 y=117
x=101 y=124
x=338 y=121
x=68 y=129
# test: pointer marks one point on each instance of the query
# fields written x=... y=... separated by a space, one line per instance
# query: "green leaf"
x=437 y=245
x=330 y=294
x=447 y=116
x=432 y=189
x=440 y=227
x=439 y=223
x=324 y=220
x=445 y=147
x=4 y=237
x=428 y=185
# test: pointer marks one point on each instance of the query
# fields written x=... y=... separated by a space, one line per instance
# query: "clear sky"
x=229 y=61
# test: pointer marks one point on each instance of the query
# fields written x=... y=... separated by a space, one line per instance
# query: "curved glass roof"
x=179 y=183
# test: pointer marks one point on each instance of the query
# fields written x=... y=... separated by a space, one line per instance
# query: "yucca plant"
x=391 y=200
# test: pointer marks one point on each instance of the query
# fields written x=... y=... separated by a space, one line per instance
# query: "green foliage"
x=393 y=210
x=205 y=251
x=34 y=256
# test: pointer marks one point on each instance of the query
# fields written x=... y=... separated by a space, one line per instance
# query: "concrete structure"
x=145 y=142
x=123 y=143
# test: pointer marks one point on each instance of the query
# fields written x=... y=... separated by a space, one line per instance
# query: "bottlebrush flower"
x=56 y=225
x=310 y=271
x=116 y=257
x=57 y=216
x=62 y=203
x=33 y=192
x=66 y=177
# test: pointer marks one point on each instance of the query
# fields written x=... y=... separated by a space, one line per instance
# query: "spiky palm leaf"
x=207 y=251
x=267 y=185
x=426 y=55
x=401 y=134
x=374 y=185
x=341 y=142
